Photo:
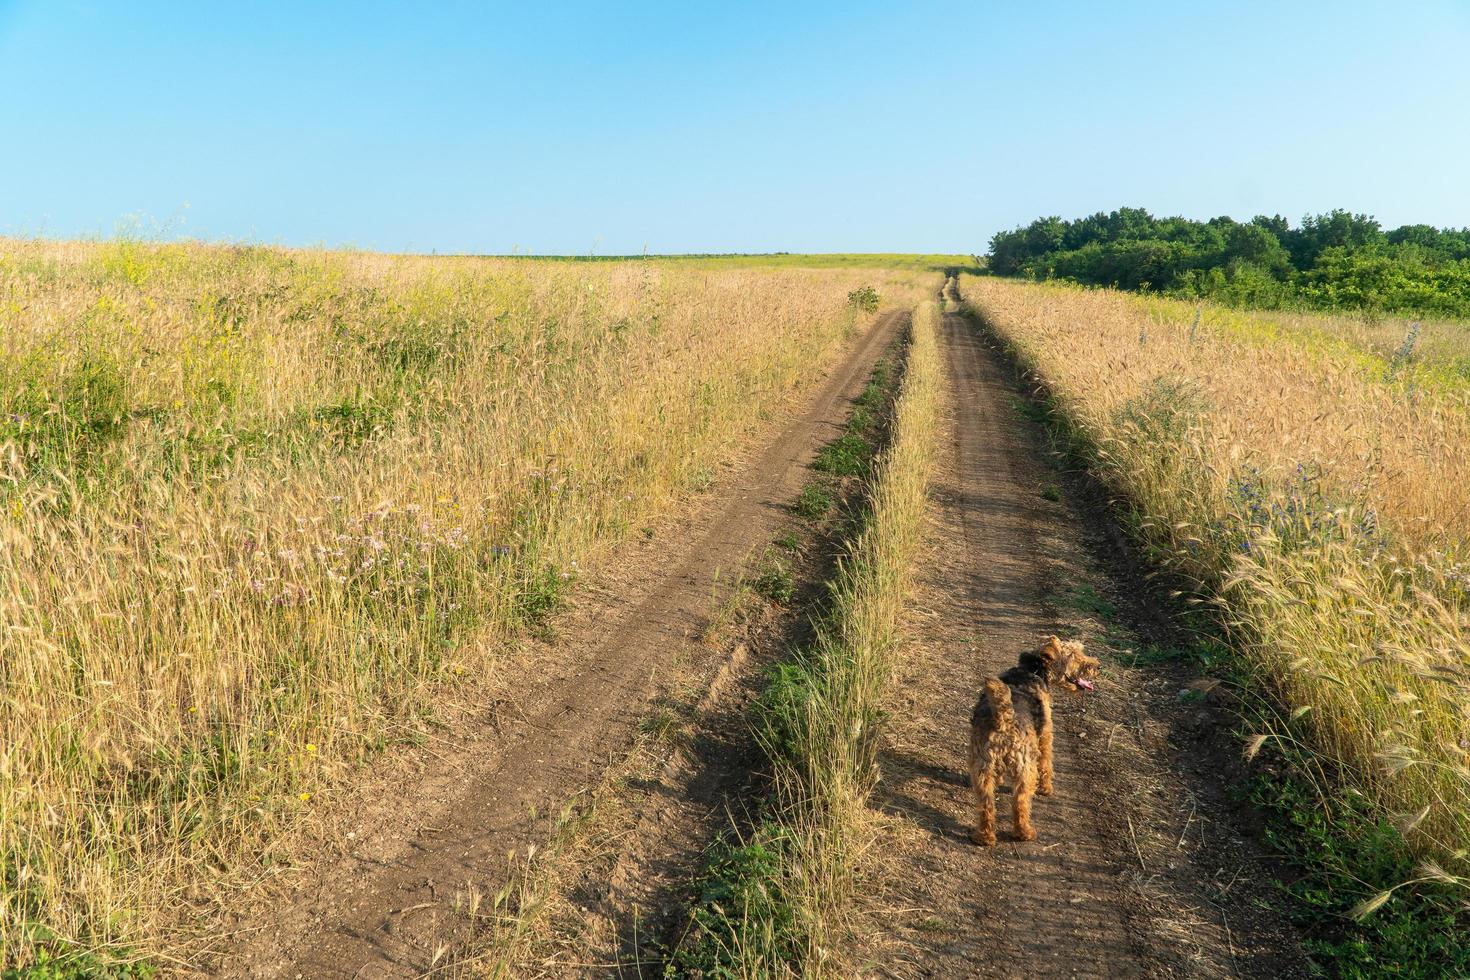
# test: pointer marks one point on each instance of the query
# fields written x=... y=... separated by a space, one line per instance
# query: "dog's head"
x=1066 y=662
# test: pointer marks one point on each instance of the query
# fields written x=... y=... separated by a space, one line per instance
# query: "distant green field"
x=821 y=260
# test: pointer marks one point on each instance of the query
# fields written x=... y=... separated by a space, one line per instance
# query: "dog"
x=1010 y=732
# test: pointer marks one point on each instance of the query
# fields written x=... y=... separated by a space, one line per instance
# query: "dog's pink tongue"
x=1085 y=684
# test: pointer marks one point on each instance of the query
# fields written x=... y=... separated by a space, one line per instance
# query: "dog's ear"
x=1051 y=649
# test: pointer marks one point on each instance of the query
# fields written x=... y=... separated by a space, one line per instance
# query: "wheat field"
x=264 y=512
x=1320 y=492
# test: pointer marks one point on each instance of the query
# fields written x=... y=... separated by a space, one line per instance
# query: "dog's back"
x=1003 y=728
x=1012 y=700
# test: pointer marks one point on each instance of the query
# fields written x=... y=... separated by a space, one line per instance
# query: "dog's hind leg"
x=1043 y=739
x=1021 y=804
x=984 y=784
x=984 y=832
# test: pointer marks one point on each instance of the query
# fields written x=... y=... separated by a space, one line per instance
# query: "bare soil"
x=1142 y=867
x=387 y=892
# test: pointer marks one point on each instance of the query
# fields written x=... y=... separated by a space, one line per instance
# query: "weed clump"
x=776 y=580
x=864 y=298
x=847 y=455
x=59 y=416
x=814 y=501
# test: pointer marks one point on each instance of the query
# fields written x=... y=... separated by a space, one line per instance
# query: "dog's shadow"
x=903 y=766
x=899 y=770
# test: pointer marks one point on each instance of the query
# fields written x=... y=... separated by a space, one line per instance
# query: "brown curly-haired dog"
x=1010 y=731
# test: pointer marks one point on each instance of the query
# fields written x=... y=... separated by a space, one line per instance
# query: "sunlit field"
x=264 y=512
x=1312 y=477
x=1417 y=351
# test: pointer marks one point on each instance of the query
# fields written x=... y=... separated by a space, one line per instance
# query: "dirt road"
x=1138 y=869
x=1141 y=868
x=386 y=905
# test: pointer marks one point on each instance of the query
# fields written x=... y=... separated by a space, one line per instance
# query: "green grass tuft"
x=814 y=502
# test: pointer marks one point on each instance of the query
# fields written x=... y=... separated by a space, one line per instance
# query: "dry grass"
x=1320 y=495
x=830 y=735
x=263 y=512
x=791 y=882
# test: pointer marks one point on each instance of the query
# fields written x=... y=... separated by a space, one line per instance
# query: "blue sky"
x=611 y=128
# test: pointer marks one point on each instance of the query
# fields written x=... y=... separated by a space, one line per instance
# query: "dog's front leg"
x=1021 y=808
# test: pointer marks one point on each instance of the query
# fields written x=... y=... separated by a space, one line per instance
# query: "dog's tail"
x=999 y=698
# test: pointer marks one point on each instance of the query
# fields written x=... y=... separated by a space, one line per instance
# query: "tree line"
x=1338 y=260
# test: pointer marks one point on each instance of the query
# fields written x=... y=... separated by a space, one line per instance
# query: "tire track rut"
x=1138 y=871
x=384 y=909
